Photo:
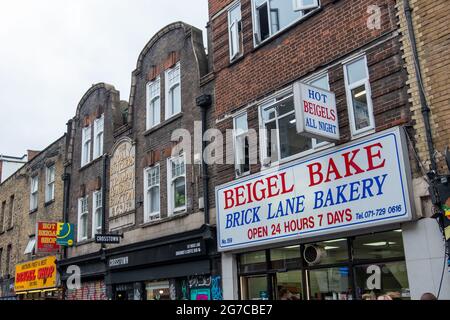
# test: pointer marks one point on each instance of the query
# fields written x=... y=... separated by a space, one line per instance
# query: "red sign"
x=46 y=237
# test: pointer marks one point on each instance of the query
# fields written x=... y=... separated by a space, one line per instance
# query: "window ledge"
x=164 y=220
x=363 y=134
x=236 y=60
x=33 y=211
x=87 y=165
x=48 y=203
x=84 y=242
x=164 y=123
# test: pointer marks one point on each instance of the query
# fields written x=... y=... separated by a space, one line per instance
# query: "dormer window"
x=98 y=136
x=173 y=91
x=153 y=103
x=86 y=145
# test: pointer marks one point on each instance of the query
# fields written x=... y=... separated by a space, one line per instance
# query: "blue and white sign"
x=316 y=112
x=358 y=185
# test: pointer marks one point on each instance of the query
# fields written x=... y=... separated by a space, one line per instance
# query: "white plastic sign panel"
x=316 y=112
x=355 y=186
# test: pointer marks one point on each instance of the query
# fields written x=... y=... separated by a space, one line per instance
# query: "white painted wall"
x=424 y=252
x=229 y=277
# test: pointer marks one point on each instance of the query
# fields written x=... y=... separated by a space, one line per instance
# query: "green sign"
x=65 y=234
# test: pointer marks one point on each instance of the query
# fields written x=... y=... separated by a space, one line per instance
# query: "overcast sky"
x=52 y=51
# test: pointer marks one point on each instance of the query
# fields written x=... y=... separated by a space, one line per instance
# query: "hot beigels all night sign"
x=358 y=185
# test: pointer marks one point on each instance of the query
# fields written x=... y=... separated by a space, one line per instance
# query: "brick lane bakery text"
x=354 y=185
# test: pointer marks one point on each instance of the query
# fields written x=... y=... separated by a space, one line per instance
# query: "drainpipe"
x=66 y=180
x=103 y=246
x=423 y=101
x=66 y=190
x=204 y=102
x=105 y=166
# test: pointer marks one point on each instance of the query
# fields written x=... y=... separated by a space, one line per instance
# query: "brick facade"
x=85 y=180
x=21 y=225
x=430 y=22
x=322 y=42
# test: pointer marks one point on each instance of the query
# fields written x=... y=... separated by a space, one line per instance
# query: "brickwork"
x=430 y=21
x=21 y=225
x=321 y=42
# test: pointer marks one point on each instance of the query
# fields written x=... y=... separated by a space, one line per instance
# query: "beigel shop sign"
x=358 y=185
x=316 y=112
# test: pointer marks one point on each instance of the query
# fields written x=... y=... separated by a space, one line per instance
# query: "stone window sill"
x=164 y=123
x=164 y=220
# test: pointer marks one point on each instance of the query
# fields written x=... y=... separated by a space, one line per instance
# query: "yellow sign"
x=36 y=275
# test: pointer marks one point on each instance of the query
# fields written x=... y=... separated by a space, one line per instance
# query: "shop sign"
x=165 y=253
x=116 y=262
x=316 y=112
x=36 y=275
x=65 y=234
x=122 y=185
x=188 y=249
x=46 y=237
x=107 y=238
x=355 y=186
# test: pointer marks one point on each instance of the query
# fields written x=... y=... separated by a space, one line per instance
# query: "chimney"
x=32 y=154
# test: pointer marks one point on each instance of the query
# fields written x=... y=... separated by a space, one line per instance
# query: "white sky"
x=52 y=51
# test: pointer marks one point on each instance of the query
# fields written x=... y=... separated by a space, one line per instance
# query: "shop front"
x=92 y=271
x=360 y=267
x=327 y=227
x=7 y=289
x=38 y=280
x=184 y=267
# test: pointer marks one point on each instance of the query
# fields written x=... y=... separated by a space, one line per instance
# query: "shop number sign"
x=358 y=185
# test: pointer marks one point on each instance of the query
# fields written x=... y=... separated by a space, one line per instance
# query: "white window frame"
x=237 y=135
x=263 y=137
x=81 y=213
x=99 y=136
x=348 y=91
x=151 y=216
x=153 y=95
x=169 y=87
x=34 y=193
x=299 y=5
x=97 y=210
x=50 y=183
x=257 y=41
x=233 y=28
x=30 y=246
x=86 y=141
x=170 y=179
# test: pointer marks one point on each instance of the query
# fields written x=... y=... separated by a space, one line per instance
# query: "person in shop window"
x=285 y=294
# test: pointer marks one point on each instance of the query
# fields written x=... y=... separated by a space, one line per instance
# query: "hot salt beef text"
x=370 y=159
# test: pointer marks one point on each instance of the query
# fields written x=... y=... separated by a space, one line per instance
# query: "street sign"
x=108 y=238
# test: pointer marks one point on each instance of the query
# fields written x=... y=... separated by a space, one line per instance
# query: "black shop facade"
x=180 y=267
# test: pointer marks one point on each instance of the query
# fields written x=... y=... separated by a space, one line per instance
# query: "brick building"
x=33 y=194
x=151 y=186
x=354 y=49
x=425 y=36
